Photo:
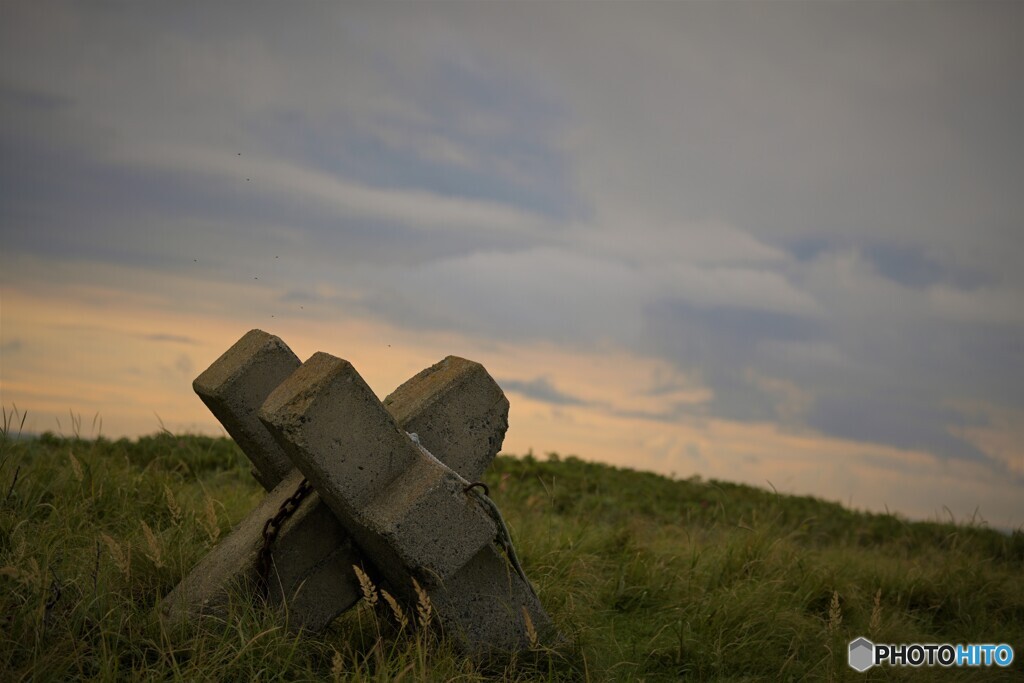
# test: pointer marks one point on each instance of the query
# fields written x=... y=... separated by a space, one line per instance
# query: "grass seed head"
x=76 y=467
x=424 y=608
x=152 y=546
x=396 y=609
x=337 y=665
x=122 y=558
x=210 y=520
x=531 y=630
x=366 y=585
x=835 y=613
x=876 y=613
x=172 y=504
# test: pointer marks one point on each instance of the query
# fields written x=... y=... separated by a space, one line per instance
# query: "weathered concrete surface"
x=374 y=478
x=235 y=386
x=312 y=558
x=482 y=605
x=233 y=564
x=405 y=509
x=458 y=411
x=312 y=554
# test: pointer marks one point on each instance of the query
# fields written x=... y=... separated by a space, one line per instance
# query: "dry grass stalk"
x=33 y=576
x=424 y=608
x=531 y=630
x=76 y=467
x=366 y=585
x=337 y=665
x=122 y=558
x=210 y=520
x=152 y=546
x=835 y=614
x=396 y=609
x=876 y=613
x=172 y=504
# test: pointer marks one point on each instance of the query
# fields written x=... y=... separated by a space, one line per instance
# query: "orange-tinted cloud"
x=130 y=356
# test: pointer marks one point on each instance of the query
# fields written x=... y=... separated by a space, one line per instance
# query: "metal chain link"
x=288 y=507
x=504 y=538
x=273 y=526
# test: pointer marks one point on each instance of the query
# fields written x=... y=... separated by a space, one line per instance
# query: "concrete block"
x=483 y=607
x=338 y=433
x=315 y=571
x=459 y=413
x=405 y=510
x=312 y=554
x=312 y=560
x=235 y=386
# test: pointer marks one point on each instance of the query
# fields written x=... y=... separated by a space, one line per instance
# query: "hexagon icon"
x=862 y=654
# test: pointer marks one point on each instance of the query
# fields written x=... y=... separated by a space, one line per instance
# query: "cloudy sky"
x=776 y=243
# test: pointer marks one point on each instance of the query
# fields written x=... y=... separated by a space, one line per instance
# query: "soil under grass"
x=647 y=578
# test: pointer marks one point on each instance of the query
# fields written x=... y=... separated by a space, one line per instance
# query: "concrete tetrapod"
x=454 y=400
x=409 y=513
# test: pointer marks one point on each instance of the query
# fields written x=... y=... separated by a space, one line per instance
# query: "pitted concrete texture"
x=406 y=510
x=233 y=563
x=427 y=520
x=339 y=434
x=235 y=386
x=458 y=411
x=312 y=553
x=482 y=606
x=312 y=559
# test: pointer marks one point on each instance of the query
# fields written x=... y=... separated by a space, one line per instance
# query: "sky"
x=776 y=243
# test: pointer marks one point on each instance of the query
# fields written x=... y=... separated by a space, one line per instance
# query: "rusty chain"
x=288 y=507
x=273 y=526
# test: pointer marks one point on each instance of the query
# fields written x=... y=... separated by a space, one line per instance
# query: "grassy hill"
x=648 y=578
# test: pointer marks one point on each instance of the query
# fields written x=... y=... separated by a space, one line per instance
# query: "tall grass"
x=647 y=578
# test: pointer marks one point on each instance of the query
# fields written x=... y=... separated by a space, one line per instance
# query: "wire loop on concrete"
x=475 y=484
